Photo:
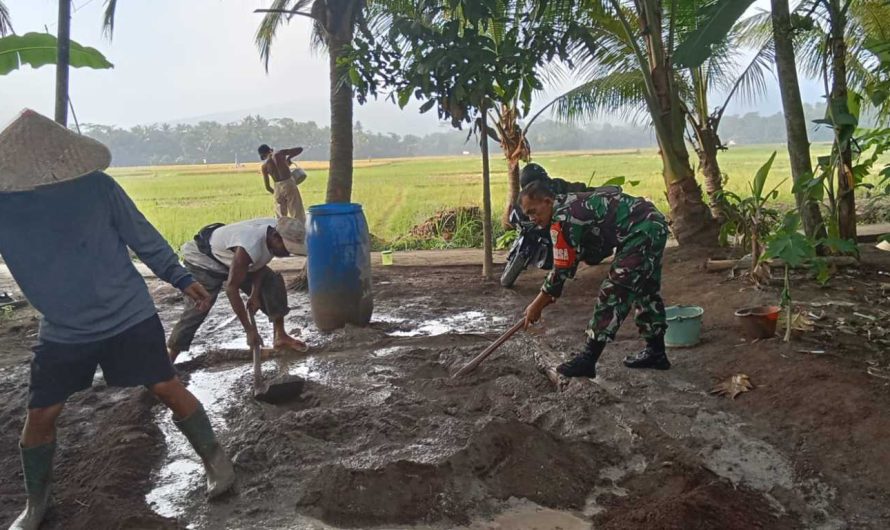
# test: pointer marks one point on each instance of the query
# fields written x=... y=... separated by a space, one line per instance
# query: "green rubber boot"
x=220 y=474
x=37 y=465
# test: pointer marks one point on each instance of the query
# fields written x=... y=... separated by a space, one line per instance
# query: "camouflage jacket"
x=594 y=224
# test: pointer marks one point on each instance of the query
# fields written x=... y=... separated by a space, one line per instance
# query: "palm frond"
x=611 y=93
x=873 y=16
x=722 y=68
x=5 y=21
x=750 y=85
x=811 y=50
x=755 y=31
x=108 y=18
x=614 y=51
x=265 y=34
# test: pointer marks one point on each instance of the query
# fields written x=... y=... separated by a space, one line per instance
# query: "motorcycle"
x=532 y=246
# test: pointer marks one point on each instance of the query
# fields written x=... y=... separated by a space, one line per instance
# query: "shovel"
x=470 y=366
x=282 y=388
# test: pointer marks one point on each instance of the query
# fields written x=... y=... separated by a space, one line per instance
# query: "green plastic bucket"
x=684 y=325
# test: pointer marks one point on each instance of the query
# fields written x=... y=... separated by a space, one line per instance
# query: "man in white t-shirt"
x=235 y=258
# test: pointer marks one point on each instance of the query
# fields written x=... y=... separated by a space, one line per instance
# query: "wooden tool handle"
x=257 y=353
x=470 y=366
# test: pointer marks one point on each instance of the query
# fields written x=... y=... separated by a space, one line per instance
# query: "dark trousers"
x=272 y=292
x=134 y=357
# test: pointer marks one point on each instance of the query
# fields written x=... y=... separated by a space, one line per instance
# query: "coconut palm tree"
x=795 y=123
x=334 y=23
x=630 y=69
x=617 y=84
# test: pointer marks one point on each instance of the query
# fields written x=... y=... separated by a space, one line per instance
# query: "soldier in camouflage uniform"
x=605 y=219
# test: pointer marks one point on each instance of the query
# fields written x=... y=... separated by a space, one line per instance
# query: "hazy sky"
x=178 y=59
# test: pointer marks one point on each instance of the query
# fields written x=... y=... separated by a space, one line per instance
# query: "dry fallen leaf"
x=800 y=321
x=733 y=386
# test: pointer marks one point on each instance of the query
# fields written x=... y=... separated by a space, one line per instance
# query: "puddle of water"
x=464 y=322
x=182 y=472
x=386 y=352
x=636 y=464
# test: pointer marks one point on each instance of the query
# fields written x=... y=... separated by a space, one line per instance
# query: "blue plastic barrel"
x=339 y=252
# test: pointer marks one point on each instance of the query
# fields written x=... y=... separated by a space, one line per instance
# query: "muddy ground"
x=383 y=437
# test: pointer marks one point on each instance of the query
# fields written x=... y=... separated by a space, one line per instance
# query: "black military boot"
x=653 y=356
x=583 y=364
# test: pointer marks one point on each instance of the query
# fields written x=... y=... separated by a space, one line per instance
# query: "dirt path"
x=383 y=436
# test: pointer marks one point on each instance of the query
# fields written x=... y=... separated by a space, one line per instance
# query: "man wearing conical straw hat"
x=65 y=227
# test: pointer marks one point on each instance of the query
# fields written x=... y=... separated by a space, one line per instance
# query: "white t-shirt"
x=249 y=235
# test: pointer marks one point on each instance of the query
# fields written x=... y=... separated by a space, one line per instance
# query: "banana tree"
x=751 y=218
x=39 y=49
x=834 y=48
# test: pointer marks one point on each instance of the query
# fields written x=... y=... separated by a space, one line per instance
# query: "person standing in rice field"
x=276 y=164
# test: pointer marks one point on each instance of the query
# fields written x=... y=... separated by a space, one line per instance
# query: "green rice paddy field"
x=397 y=194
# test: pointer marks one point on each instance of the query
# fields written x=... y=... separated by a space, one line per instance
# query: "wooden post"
x=488 y=261
x=63 y=54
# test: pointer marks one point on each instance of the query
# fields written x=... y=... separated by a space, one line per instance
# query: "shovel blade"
x=281 y=389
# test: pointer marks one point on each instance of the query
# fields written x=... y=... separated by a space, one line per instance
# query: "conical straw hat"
x=36 y=151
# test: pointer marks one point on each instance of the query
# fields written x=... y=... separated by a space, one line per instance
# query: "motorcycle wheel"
x=513 y=269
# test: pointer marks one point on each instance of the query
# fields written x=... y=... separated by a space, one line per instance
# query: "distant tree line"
x=237 y=142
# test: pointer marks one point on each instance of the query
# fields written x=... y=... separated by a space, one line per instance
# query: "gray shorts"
x=272 y=292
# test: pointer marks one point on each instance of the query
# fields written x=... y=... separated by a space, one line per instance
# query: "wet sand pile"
x=685 y=498
x=383 y=436
x=108 y=445
x=394 y=440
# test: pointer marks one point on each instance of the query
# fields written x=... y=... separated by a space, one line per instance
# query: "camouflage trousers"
x=634 y=282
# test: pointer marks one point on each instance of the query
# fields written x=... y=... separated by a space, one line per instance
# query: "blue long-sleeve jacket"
x=66 y=247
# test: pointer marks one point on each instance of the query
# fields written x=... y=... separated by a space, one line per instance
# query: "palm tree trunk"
x=795 y=123
x=513 y=193
x=63 y=52
x=846 y=207
x=340 y=173
x=488 y=260
x=710 y=169
x=690 y=217
x=516 y=148
x=705 y=128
